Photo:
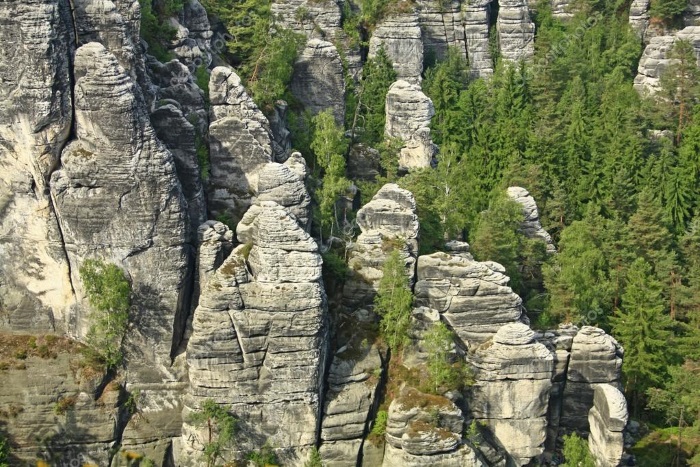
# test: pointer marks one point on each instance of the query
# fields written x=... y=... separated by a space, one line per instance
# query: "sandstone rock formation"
x=655 y=59
x=476 y=34
x=473 y=297
x=639 y=16
x=35 y=121
x=607 y=419
x=423 y=429
x=284 y=185
x=239 y=145
x=319 y=80
x=596 y=358
x=258 y=341
x=408 y=115
x=313 y=18
x=516 y=31
x=400 y=36
x=513 y=379
x=531 y=226
x=387 y=222
x=441 y=24
x=193 y=35
x=563 y=9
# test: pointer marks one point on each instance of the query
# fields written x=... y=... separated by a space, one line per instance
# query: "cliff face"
x=100 y=158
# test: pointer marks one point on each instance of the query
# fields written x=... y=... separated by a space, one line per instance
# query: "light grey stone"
x=400 y=36
x=531 y=226
x=516 y=31
x=607 y=419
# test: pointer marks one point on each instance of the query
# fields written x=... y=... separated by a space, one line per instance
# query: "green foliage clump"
x=314 y=459
x=379 y=425
x=264 y=457
x=667 y=10
x=444 y=375
x=393 y=302
x=154 y=27
x=109 y=293
x=4 y=451
x=576 y=452
x=221 y=427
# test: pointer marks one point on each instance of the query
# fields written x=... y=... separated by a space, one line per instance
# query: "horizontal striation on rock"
x=476 y=34
x=401 y=38
x=516 y=31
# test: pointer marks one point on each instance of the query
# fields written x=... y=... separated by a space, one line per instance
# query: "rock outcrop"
x=258 y=341
x=473 y=297
x=655 y=59
x=639 y=16
x=319 y=80
x=607 y=419
x=284 y=185
x=387 y=222
x=476 y=35
x=516 y=31
x=531 y=226
x=442 y=28
x=313 y=18
x=192 y=43
x=400 y=36
x=564 y=9
x=239 y=145
x=35 y=121
x=408 y=115
x=423 y=429
x=596 y=358
x=513 y=379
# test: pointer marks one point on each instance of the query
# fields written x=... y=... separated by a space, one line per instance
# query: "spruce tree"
x=393 y=302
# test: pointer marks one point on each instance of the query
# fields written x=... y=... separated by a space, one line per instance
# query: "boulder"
x=607 y=418
x=473 y=297
x=408 y=115
x=513 y=380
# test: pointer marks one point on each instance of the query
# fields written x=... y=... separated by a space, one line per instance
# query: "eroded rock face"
x=313 y=18
x=473 y=297
x=476 y=34
x=318 y=81
x=531 y=226
x=607 y=419
x=516 y=31
x=639 y=16
x=35 y=120
x=193 y=35
x=424 y=429
x=596 y=358
x=239 y=145
x=441 y=24
x=258 y=341
x=655 y=59
x=387 y=222
x=408 y=115
x=513 y=379
x=400 y=36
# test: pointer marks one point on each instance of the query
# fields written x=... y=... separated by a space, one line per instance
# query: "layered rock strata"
x=476 y=34
x=400 y=37
x=389 y=221
x=531 y=226
x=472 y=296
x=441 y=23
x=313 y=18
x=319 y=80
x=408 y=115
x=607 y=419
x=239 y=145
x=513 y=379
x=258 y=341
x=516 y=31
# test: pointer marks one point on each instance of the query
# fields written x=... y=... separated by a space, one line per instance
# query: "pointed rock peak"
x=514 y=334
x=274 y=175
x=277 y=228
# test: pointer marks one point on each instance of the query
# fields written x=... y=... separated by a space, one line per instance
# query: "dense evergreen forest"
x=616 y=176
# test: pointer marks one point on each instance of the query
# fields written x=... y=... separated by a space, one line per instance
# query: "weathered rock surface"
x=387 y=222
x=607 y=419
x=441 y=24
x=531 y=226
x=516 y=31
x=639 y=16
x=655 y=59
x=513 y=379
x=596 y=358
x=283 y=184
x=313 y=18
x=564 y=9
x=319 y=81
x=408 y=115
x=192 y=43
x=258 y=341
x=473 y=297
x=426 y=430
x=691 y=16
x=35 y=120
x=353 y=381
x=363 y=163
x=239 y=145
x=400 y=36
x=476 y=35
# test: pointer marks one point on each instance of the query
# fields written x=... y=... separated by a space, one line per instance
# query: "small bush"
x=64 y=404
x=264 y=457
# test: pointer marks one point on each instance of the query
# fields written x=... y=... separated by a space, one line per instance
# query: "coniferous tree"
x=393 y=302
